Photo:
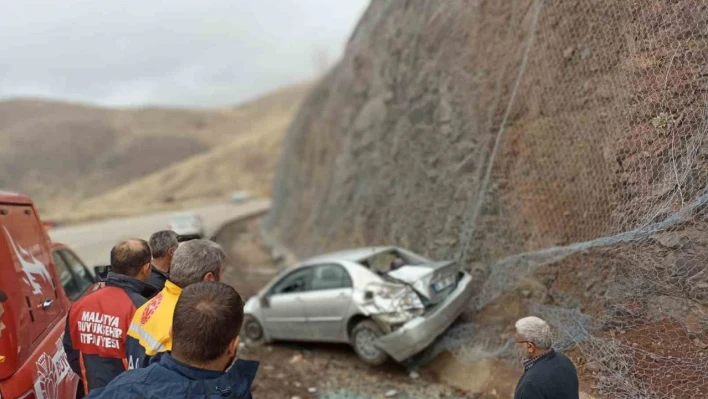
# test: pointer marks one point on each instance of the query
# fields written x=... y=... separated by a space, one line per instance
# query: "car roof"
x=184 y=215
x=7 y=197
x=347 y=258
x=350 y=255
x=58 y=245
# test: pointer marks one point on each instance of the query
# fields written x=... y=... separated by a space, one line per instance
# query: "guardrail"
x=257 y=212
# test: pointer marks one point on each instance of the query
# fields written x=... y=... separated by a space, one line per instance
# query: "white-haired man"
x=547 y=373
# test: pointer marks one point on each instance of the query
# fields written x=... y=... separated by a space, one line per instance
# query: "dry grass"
x=246 y=162
x=81 y=162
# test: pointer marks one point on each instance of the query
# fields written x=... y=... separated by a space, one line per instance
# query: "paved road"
x=93 y=241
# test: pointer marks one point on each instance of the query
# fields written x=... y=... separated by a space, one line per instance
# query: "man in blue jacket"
x=205 y=337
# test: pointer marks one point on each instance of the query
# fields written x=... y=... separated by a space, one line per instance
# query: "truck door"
x=29 y=251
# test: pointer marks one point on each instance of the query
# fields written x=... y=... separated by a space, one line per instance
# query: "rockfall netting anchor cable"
x=456 y=336
x=476 y=204
x=529 y=261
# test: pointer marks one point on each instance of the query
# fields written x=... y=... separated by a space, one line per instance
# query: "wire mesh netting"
x=599 y=170
x=557 y=148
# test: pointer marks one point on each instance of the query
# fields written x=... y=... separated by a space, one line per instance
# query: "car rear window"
x=381 y=262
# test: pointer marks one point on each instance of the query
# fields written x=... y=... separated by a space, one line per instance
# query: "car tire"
x=253 y=330
x=363 y=337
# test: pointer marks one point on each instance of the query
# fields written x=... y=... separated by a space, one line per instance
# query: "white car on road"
x=187 y=226
x=239 y=197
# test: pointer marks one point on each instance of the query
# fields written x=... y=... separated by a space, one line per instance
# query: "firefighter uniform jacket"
x=96 y=329
x=149 y=332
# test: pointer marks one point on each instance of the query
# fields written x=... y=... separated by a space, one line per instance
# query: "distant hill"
x=245 y=163
x=62 y=154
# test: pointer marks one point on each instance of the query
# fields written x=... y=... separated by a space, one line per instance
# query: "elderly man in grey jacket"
x=547 y=373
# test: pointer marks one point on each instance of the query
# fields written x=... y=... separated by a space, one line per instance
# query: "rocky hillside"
x=551 y=147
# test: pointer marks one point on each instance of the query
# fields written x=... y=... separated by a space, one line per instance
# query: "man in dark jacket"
x=163 y=245
x=205 y=338
x=547 y=373
x=97 y=324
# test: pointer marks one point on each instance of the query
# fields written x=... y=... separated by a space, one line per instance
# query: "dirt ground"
x=305 y=370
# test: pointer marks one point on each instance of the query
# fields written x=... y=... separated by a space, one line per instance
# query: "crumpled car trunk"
x=434 y=281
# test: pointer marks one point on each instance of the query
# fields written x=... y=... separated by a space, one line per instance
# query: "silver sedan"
x=384 y=301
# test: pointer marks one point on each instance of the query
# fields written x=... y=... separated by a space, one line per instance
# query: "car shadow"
x=340 y=352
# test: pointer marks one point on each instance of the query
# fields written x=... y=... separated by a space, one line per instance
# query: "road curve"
x=93 y=241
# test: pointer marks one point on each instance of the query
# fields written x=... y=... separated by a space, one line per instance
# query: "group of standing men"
x=161 y=326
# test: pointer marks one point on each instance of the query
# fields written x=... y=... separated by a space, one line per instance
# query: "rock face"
x=591 y=109
x=392 y=146
x=563 y=139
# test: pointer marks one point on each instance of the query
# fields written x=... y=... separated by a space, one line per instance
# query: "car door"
x=328 y=302
x=81 y=273
x=284 y=313
x=66 y=278
x=73 y=274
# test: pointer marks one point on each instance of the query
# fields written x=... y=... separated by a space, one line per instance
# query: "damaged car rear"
x=387 y=302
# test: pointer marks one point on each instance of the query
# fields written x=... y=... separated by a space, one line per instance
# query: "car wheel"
x=253 y=330
x=364 y=336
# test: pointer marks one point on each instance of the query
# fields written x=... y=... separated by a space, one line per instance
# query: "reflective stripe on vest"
x=148 y=341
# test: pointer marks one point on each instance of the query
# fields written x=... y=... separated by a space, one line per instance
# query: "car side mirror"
x=265 y=302
x=101 y=272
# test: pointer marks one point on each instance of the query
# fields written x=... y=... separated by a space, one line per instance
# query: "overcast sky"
x=167 y=52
